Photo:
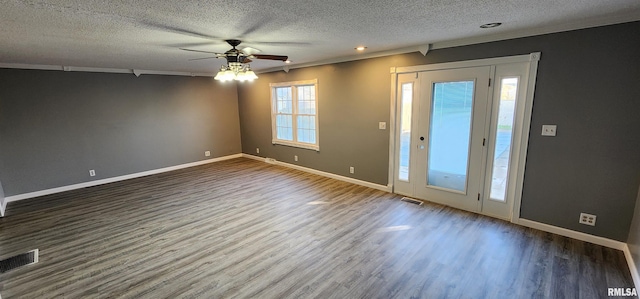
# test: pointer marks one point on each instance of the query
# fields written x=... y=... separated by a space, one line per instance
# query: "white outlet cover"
x=382 y=125
x=549 y=130
x=587 y=219
x=207 y=153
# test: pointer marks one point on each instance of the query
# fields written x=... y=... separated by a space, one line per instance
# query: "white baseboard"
x=254 y=157
x=632 y=266
x=386 y=188
x=114 y=179
x=572 y=234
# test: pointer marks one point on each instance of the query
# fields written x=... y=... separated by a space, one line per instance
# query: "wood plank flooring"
x=247 y=229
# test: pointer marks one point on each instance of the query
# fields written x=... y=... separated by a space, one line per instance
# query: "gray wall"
x=587 y=84
x=634 y=234
x=55 y=126
x=348 y=120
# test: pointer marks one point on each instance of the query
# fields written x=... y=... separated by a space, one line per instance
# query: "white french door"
x=458 y=135
x=451 y=128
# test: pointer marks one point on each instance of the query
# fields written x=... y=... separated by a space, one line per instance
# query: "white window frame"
x=294 y=100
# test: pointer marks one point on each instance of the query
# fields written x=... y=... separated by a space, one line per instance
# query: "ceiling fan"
x=237 y=67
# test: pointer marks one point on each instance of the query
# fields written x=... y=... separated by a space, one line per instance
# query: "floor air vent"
x=18 y=261
x=411 y=200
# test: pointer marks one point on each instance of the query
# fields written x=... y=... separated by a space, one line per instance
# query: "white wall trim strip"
x=135 y=72
x=572 y=234
x=564 y=27
x=632 y=266
x=116 y=179
x=386 y=188
x=534 y=56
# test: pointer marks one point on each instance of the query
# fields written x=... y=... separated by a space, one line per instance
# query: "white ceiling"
x=147 y=34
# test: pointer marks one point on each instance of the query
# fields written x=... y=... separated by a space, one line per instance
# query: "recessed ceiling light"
x=287 y=61
x=361 y=48
x=490 y=25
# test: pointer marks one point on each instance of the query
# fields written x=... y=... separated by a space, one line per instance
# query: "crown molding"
x=136 y=72
x=424 y=49
x=343 y=59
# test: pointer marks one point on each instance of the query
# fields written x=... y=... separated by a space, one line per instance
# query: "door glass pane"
x=449 y=135
x=405 y=131
x=504 y=134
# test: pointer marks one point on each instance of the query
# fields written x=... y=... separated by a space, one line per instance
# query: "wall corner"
x=3 y=202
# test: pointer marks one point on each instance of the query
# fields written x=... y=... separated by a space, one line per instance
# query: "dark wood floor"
x=243 y=228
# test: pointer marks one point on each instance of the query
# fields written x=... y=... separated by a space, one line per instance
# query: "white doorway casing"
x=421 y=78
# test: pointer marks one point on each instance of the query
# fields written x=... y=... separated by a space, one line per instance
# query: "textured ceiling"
x=147 y=34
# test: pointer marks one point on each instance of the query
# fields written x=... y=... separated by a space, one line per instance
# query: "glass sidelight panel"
x=405 y=131
x=449 y=135
x=504 y=135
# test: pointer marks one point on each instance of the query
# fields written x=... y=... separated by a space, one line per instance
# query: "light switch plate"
x=382 y=125
x=549 y=130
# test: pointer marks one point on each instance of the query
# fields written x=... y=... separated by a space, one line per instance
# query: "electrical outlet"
x=295 y=158
x=207 y=153
x=92 y=172
x=257 y=150
x=549 y=130
x=382 y=125
x=352 y=169
x=587 y=219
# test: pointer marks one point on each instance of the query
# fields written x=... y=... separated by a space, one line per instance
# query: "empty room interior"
x=319 y=149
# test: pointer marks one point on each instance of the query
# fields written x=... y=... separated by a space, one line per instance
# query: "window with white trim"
x=294 y=114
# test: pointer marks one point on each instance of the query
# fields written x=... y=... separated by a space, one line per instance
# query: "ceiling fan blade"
x=178 y=30
x=203 y=58
x=189 y=45
x=246 y=60
x=200 y=51
x=255 y=24
x=250 y=50
x=280 y=43
x=270 y=57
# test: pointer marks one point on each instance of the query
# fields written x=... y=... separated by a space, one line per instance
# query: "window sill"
x=314 y=147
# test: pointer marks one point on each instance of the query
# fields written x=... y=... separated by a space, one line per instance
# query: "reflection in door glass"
x=449 y=134
x=405 y=131
x=504 y=134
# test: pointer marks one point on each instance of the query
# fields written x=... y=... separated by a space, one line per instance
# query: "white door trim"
x=524 y=141
x=532 y=58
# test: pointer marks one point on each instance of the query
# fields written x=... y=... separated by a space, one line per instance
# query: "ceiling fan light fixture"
x=250 y=75
x=235 y=71
x=225 y=74
x=220 y=73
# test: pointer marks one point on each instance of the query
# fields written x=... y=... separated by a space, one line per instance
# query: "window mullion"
x=294 y=96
